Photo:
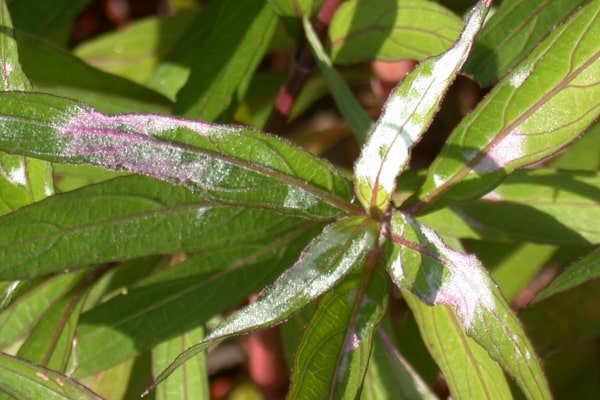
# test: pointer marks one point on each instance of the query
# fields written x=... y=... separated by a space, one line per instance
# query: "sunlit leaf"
x=406 y=116
x=583 y=154
x=121 y=219
x=420 y=262
x=391 y=30
x=541 y=106
x=204 y=286
x=511 y=33
x=188 y=382
x=295 y=8
x=226 y=164
x=582 y=271
x=20 y=379
x=333 y=354
x=342 y=247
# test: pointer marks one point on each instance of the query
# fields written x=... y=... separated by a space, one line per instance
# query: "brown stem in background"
x=302 y=67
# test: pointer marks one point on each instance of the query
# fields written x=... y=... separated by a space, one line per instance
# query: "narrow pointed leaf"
x=468 y=368
x=405 y=117
x=225 y=164
x=357 y=117
x=544 y=104
x=390 y=376
x=511 y=33
x=191 y=380
x=391 y=30
x=582 y=271
x=20 y=379
x=333 y=354
x=205 y=285
x=423 y=264
x=342 y=247
x=121 y=219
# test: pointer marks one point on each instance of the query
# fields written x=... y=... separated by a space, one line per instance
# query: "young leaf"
x=511 y=33
x=468 y=368
x=582 y=271
x=391 y=30
x=224 y=164
x=420 y=262
x=405 y=117
x=541 y=106
x=121 y=219
x=342 y=247
x=20 y=379
x=333 y=354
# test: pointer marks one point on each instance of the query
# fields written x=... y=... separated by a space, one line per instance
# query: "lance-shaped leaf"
x=423 y=264
x=20 y=379
x=391 y=30
x=511 y=33
x=342 y=247
x=582 y=271
x=333 y=354
x=468 y=368
x=225 y=164
x=545 y=103
x=405 y=117
x=121 y=219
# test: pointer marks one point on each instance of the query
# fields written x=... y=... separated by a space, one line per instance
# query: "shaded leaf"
x=226 y=58
x=22 y=380
x=342 y=247
x=391 y=30
x=511 y=33
x=205 y=285
x=43 y=18
x=541 y=106
x=582 y=271
x=468 y=368
x=221 y=163
x=121 y=219
x=295 y=8
x=421 y=263
x=406 y=116
x=583 y=154
x=355 y=115
x=188 y=382
x=332 y=356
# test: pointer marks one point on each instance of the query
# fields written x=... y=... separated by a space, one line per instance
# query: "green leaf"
x=189 y=382
x=333 y=354
x=57 y=71
x=421 y=263
x=226 y=164
x=543 y=105
x=511 y=33
x=406 y=116
x=342 y=247
x=43 y=18
x=390 y=376
x=582 y=271
x=226 y=59
x=391 y=30
x=468 y=368
x=357 y=117
x=583 y=154
x=122 y=219
x=295 y=8
x=20 y=379
x=205 y=285
x=135 y=51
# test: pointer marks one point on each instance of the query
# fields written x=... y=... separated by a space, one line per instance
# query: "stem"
x=302 y=67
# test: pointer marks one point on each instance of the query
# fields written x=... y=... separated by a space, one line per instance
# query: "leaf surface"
x=421 y=263
x=121 y=219
x=225 y=164
x=20 y=379
x=342 y=247
x=333 y=354
x=541 y=106
x=406 y=116
x=46 y=17
x=391 y=30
